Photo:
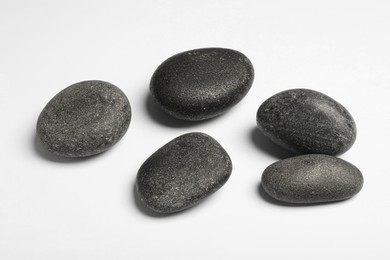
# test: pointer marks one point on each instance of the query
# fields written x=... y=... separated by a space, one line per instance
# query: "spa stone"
x=312 y=178
x=203 y=83
x=306 y=121
x=182 y=173
x=84 y=119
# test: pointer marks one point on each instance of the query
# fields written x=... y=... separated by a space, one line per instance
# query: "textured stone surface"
x=84 y=119
x=312 y=178
x=201 y=84
x=182 y=173
x=306 y=121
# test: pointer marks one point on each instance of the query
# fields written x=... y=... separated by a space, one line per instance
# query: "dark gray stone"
x=84 y=119
x=182 y=173
x=201 y=84
x=312 y=178
x=306 y=121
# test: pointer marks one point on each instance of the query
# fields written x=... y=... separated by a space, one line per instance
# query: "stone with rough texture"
x=202 y=83
x=312 y=178
x=306 y=121
x=182 y=173
x=84 y=119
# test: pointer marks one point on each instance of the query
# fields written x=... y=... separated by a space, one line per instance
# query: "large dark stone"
x=306 y=121
x=84 y=119
x=182 y=173
x=201 y=84
x=312 y=178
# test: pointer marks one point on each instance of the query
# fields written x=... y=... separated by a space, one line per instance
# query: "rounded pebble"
x=201 y=84
x=84 y=119
x=182 y=173
x=306 y=121
x=312 y=178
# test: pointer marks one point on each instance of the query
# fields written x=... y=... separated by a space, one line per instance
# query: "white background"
x=87 y=209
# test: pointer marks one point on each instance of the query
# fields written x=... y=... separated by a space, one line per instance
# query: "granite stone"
x=182 y=173
x=84 y=119
x=305 y=121
x=203 y=83
x=312 y=178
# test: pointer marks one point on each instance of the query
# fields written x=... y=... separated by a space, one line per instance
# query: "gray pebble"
x=201 y=84
x=84 y=119
x=312 y=178
x=306 y=121
x=182 y=173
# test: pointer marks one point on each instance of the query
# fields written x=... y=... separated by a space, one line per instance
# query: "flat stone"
x=182 y=173
x=305 y=121
x=201 y=84
x=312 y=178
x=84 y=119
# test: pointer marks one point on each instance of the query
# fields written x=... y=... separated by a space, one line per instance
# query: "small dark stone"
x=201 y=84
x=84 y=119
x=306 y=121
x=312 y=178
x=182 y=173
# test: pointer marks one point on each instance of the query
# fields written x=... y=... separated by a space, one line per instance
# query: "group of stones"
x=89 y=117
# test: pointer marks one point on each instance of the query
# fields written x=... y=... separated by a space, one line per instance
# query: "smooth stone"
x=203 y=83
x=312 y=178
x=84 y=119
x=305 y=121
x=182 y=173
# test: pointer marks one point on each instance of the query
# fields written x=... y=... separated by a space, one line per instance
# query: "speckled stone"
x=84 y=119
x=306 y=121
x=182 y=173
x=312 y=178
x=201 y=84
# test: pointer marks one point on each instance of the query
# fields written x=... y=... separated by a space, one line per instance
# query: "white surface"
x=86 y=209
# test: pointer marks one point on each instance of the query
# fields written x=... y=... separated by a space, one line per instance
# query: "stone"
x=182 y=173
x=201 y=84
x=84 y=119
x=312 y=178
x=305 y=121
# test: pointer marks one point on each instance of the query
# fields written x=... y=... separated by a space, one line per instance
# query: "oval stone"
x=311 y=178
x=84 y=119
x=306 y=121
x=201 y=84
x=182 y=173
